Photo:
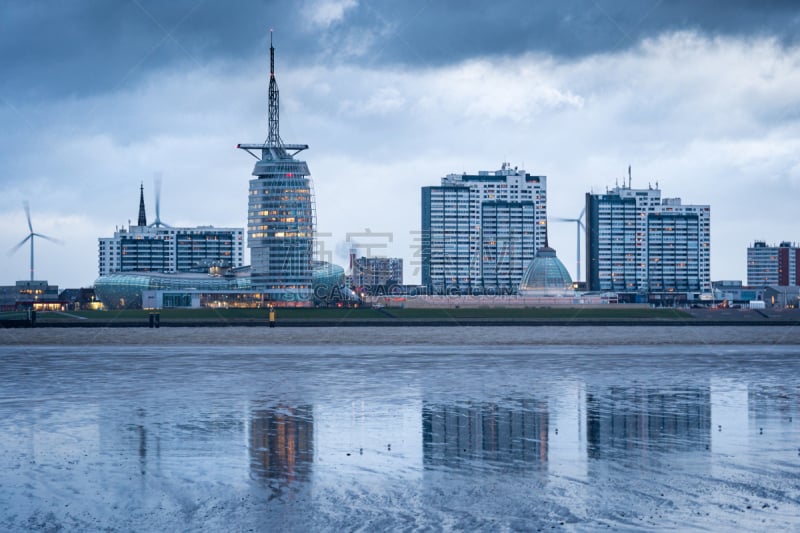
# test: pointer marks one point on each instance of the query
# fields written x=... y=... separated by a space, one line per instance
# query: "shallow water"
x=466 y=428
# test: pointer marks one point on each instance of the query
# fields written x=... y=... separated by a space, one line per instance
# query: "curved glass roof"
x=546 y=275
x=124 y=289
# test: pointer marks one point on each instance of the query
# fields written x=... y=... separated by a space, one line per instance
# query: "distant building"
x=782 y=296
x=76 y=299
x=732 y=292
x=639 y=244
x=37 y=295
x=160 y=248
x=375 y=271
x=773 y=265
x=481 y=231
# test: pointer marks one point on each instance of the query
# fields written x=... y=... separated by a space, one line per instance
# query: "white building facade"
x=170 y=250
x=639 y=243
x=480 y=231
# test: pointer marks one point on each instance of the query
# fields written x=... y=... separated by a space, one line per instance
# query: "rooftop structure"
x=281 y=213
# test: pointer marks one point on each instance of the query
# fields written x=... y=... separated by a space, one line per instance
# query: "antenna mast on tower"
x=274 y=137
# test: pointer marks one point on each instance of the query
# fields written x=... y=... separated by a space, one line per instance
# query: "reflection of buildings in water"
x=514 y=432
x=629 y=418
x=566 y=447
x=772 y=406
x=282 y=442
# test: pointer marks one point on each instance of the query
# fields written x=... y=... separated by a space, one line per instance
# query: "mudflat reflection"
x=384 y=438
x=648 y=419
x=513 y=434
x=281 y=443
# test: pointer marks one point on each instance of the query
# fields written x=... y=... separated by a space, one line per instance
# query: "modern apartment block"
x=639 y=243
x=376 y=271
x=480 y=231
x=773 y=265
x=161 y=248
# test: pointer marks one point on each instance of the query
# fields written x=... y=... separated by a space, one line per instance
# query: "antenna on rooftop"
x=273 y=137
x=629 y=176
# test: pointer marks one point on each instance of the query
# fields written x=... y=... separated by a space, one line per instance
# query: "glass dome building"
x=546 y=276
x=122 y=290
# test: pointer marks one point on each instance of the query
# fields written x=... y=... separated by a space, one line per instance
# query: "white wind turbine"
x=31 y=237
x=579 y=225
x=157 y=222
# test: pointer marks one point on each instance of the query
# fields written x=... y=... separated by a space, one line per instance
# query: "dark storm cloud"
x=59 y=49
x=85 y=47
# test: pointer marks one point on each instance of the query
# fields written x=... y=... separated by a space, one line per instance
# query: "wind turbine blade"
x=51 y=239
x=18 y=246
x=27 y=207
x=562 y=219
x=158 y=198
x=583 y=212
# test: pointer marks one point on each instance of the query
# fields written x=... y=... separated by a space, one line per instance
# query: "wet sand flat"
x=467 y=335
x=400 y=428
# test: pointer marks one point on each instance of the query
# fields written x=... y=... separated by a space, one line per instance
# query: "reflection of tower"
x=280 y=220
x=623 y=418
x=513 y=433
x=282 y=442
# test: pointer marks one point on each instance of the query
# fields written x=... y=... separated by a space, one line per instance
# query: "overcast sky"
x=97 y=96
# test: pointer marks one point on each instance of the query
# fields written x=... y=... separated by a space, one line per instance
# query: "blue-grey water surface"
x=241 y=429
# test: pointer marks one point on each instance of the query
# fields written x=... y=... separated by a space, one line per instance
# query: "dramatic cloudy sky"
x=97 y=96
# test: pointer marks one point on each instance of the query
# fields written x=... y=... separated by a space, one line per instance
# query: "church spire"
x=142 y=216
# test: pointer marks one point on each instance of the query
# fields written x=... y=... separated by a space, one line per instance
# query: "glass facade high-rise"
x=281 y=215
x=481 y=231
x=639 y=243
x=280 y=227
x=446 y=253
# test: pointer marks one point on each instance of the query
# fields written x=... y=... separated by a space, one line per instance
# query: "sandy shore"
x=422 y=335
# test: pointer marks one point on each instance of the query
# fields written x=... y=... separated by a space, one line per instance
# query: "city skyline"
x=391 y=98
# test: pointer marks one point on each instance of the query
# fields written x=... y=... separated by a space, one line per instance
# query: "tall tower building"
x=281 y=213
x=639 y=243
x=480 y=231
